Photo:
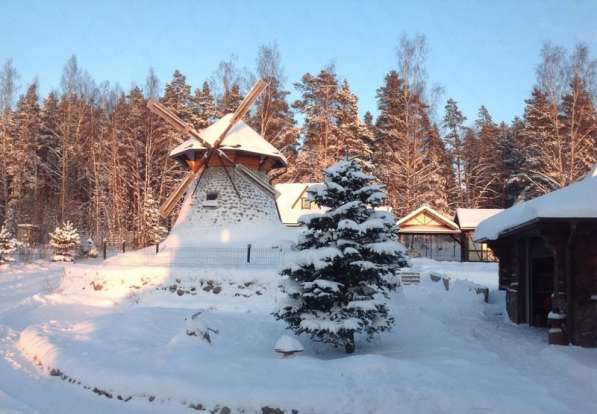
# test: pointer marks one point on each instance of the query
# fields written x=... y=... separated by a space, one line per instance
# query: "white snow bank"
x=485 y=274
x=233 y=289
x=576 y=200
x=446 y=354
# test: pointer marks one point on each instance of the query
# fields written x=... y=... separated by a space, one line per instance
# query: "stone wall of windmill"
x=216 y=202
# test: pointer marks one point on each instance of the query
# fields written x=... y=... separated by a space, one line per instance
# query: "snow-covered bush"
x=345 y=263
x=64 y=240
x=195 y=326
x=8 y=245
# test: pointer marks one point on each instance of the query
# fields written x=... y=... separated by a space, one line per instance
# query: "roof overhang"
x=447 y=225
x=532 y=224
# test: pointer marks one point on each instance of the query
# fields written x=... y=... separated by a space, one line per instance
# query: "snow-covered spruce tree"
x=345 y=263
x=64 y=240
x=8 y=245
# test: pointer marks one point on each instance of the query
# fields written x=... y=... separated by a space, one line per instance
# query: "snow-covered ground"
x=79 y=343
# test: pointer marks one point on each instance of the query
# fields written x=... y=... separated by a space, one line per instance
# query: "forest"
x=93 y=154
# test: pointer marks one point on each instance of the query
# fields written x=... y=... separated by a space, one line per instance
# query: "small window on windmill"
x=211 y=199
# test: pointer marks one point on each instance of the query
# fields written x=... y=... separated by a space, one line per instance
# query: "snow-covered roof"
x=241 y=137
x=437 y=222
x=289 y=204
x=578 y=200
x=469 y=218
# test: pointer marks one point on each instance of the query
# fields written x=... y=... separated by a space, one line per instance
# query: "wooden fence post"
x=123 y=246
x=105 y=242
x=249 y=253
x=157 y=247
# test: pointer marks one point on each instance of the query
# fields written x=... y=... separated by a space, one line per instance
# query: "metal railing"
x=206 y=256
x=248 y=255
x=28 y=254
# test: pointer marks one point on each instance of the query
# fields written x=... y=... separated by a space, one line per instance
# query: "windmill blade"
x=171 y=118
x=170 y=203
x=249 y=100
x=243 y=108
x=219 y=154
x=256 y=179
x=239 y=168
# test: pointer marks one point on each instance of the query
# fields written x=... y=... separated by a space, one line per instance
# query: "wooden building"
x=29 y=234
x=468 y=219
x=292 y=202
x=426 y=232
x=547 y=249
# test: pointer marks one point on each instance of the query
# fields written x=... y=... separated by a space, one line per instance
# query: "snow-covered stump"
x=196 y=327
x=288 y=346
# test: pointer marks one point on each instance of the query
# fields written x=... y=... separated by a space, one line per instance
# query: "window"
x=305 y=204
x=211 y=199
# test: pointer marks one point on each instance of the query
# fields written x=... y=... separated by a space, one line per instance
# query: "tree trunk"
x=349 y=343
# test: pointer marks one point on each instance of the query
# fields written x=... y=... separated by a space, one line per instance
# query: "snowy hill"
x=117 y=342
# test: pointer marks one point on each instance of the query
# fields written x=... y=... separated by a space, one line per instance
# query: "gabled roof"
x=288 y=202
x=426 y=220
x=578 y=200
x=241 y=138
x=290 y=208
x=469 y=218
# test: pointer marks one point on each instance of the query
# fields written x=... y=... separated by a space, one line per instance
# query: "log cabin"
x=547 y=250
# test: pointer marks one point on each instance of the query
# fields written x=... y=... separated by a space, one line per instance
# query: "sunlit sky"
x=481 y=52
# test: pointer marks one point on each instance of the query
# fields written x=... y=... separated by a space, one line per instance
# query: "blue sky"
x=481 y=52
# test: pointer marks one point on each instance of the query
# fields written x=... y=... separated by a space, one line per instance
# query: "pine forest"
x=94 y=155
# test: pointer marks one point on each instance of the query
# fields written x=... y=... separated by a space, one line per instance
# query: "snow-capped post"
x=8 y=245
x=105 y=247
x=249 y=253
x=64 y=240
x=345 y=263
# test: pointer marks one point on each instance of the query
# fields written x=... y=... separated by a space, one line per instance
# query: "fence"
x=28 y=254
x=228 y=256
x=437 y=246
x=204 y=256
x=248 y=255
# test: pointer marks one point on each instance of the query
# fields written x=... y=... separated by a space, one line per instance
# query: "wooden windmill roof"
x=426 y=220
x=241 y=138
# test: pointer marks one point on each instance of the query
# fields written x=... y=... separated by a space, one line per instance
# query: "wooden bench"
x=410 y=278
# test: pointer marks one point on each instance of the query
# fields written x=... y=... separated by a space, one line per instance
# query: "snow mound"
x=287 y=344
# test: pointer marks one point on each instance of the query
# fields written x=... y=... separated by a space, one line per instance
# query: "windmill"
x=228 y=163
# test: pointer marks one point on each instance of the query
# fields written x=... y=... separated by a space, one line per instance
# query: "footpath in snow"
x=79 y=344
